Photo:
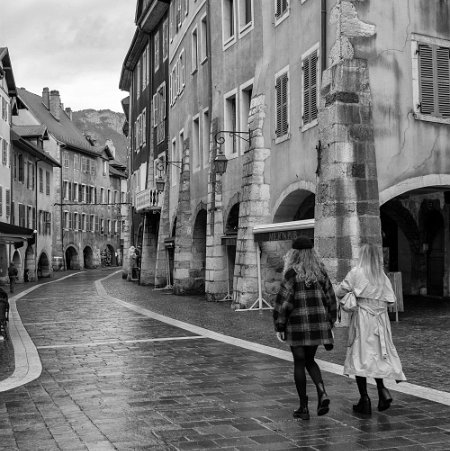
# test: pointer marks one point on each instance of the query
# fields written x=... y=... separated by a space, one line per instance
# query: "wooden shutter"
x=310 y=88
x=1 y=201
x=426 y=78
x=282 y=105
x=443 y=80
x=8 y=202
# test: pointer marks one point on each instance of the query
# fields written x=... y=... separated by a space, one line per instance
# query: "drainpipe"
x=36 y=183
x=323 y=35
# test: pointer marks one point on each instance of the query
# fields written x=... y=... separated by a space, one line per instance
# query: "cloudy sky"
x=74 y=46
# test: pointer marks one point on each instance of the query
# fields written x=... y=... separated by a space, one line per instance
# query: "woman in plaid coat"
x=304 y=314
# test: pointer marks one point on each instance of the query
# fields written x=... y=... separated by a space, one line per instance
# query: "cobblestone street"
x=117 y=375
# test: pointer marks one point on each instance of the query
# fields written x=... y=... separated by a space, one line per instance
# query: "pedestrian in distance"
x=304 y=314
x=371 y=351
x=12 y=274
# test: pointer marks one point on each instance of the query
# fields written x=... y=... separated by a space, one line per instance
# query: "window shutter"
x=282 y=105
x=310 y=88
x=155 y=110
x=313 y=88
x=1 y=201
x=426 y=84
x=278 y=94
x=8 y=202
x=443 y=80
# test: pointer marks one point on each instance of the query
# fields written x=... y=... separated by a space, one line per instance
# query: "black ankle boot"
x=384 y=399
x=302 y=412
x=323 y=400
x=363 y=406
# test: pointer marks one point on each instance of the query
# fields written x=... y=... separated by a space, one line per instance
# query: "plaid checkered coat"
x=305 y=313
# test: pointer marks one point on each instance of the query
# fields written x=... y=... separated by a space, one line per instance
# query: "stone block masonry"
x=347 y=201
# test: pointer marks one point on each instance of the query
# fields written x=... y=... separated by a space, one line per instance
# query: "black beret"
x=302 y=242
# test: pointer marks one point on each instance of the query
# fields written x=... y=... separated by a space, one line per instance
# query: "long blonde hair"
x=371 y=262
x=306 y=264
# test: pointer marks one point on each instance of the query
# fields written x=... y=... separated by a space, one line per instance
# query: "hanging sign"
x=284 y=231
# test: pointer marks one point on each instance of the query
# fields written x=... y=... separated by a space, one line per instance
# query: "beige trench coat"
x=371 y=351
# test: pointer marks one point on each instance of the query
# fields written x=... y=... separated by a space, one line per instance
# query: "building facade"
x=346 y=114
x=87 y=183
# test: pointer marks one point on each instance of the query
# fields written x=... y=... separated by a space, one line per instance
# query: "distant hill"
x=102 y=125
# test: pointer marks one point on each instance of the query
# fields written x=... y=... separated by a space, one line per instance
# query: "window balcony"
x=148 y=199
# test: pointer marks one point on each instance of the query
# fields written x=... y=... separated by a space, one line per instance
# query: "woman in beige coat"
x=371 y=351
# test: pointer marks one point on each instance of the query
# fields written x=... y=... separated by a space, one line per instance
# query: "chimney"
x=69 y=112
x=46 y=98
x=111 y=147
x=55 y=104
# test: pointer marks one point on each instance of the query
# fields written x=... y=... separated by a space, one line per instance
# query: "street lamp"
x=220 y=162
x=160 y=167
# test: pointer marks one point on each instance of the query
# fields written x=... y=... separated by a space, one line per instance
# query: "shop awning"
x=11 y=234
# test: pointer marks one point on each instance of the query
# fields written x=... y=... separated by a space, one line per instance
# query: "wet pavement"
x=117 y=376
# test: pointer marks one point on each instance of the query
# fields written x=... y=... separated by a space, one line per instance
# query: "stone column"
x=183 y=237
x=162 y=260
x=254 y=208
x=216 y=277
x=347 y=211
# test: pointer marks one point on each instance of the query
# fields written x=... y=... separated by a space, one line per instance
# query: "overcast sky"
x=74 y=46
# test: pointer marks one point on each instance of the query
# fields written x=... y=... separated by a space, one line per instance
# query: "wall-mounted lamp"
x=160 y=167
x=220 y=162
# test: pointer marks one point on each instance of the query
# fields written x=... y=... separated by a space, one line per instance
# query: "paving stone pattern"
x=100 y=389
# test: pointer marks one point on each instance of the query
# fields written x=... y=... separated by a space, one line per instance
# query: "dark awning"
x=10 y=233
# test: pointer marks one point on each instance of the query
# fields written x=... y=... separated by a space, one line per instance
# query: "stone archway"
x=72 y=260
x=43 y=266
x=198 y=263
x=88 y=258
x=29 y=265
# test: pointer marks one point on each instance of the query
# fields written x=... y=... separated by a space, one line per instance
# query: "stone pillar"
x=183 y=237
x=347 y=211
x=254 y=208
x=162 y=260
x=126 y=236
x=216 y=277
x=149 y=249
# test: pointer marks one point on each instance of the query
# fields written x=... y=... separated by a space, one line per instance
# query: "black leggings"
x=304 y=358
x=361 y=382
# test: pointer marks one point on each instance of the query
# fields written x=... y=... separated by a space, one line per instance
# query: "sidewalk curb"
x=27 y=364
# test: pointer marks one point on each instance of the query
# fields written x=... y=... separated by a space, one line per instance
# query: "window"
x=156 y=42
x=159 y=112
x=91 y=223
x=21 y=169
x=181 y=72
x=194 y=50
x=4 y=152
x=105 y=168
x=281 y=9
x=66 y=219
x=29 y=217
x=30 y=175
x=47 y=183
x=8 y=202
x=246 y=97
x=245 y=14
x=66 y=159
x=196 y=143
x=47 y=223
x=144 y=126
x=4 y=109
x=76 y=223
x=205 y=137
x=109 y=226
x=230 y=119
x=83 y=222
x=102 y=226
x=204 y=40
x=41 y=180
x=76 y=162
x=138 y=78
x=21 y=215
x=145 y=68
x=165 y=40
x=309 y=67
x=228 y=28
x=97 y=224
x=282 y=104
x=434 y=79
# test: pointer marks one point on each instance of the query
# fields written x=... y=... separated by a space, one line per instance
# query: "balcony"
x=148 y=199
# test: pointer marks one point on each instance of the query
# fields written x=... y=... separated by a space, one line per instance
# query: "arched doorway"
x=72 y=258
x=112 y=255
x=88 y=258
x=30 y=264
x=231 y=229
x=198 y=264
x=43 y=266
